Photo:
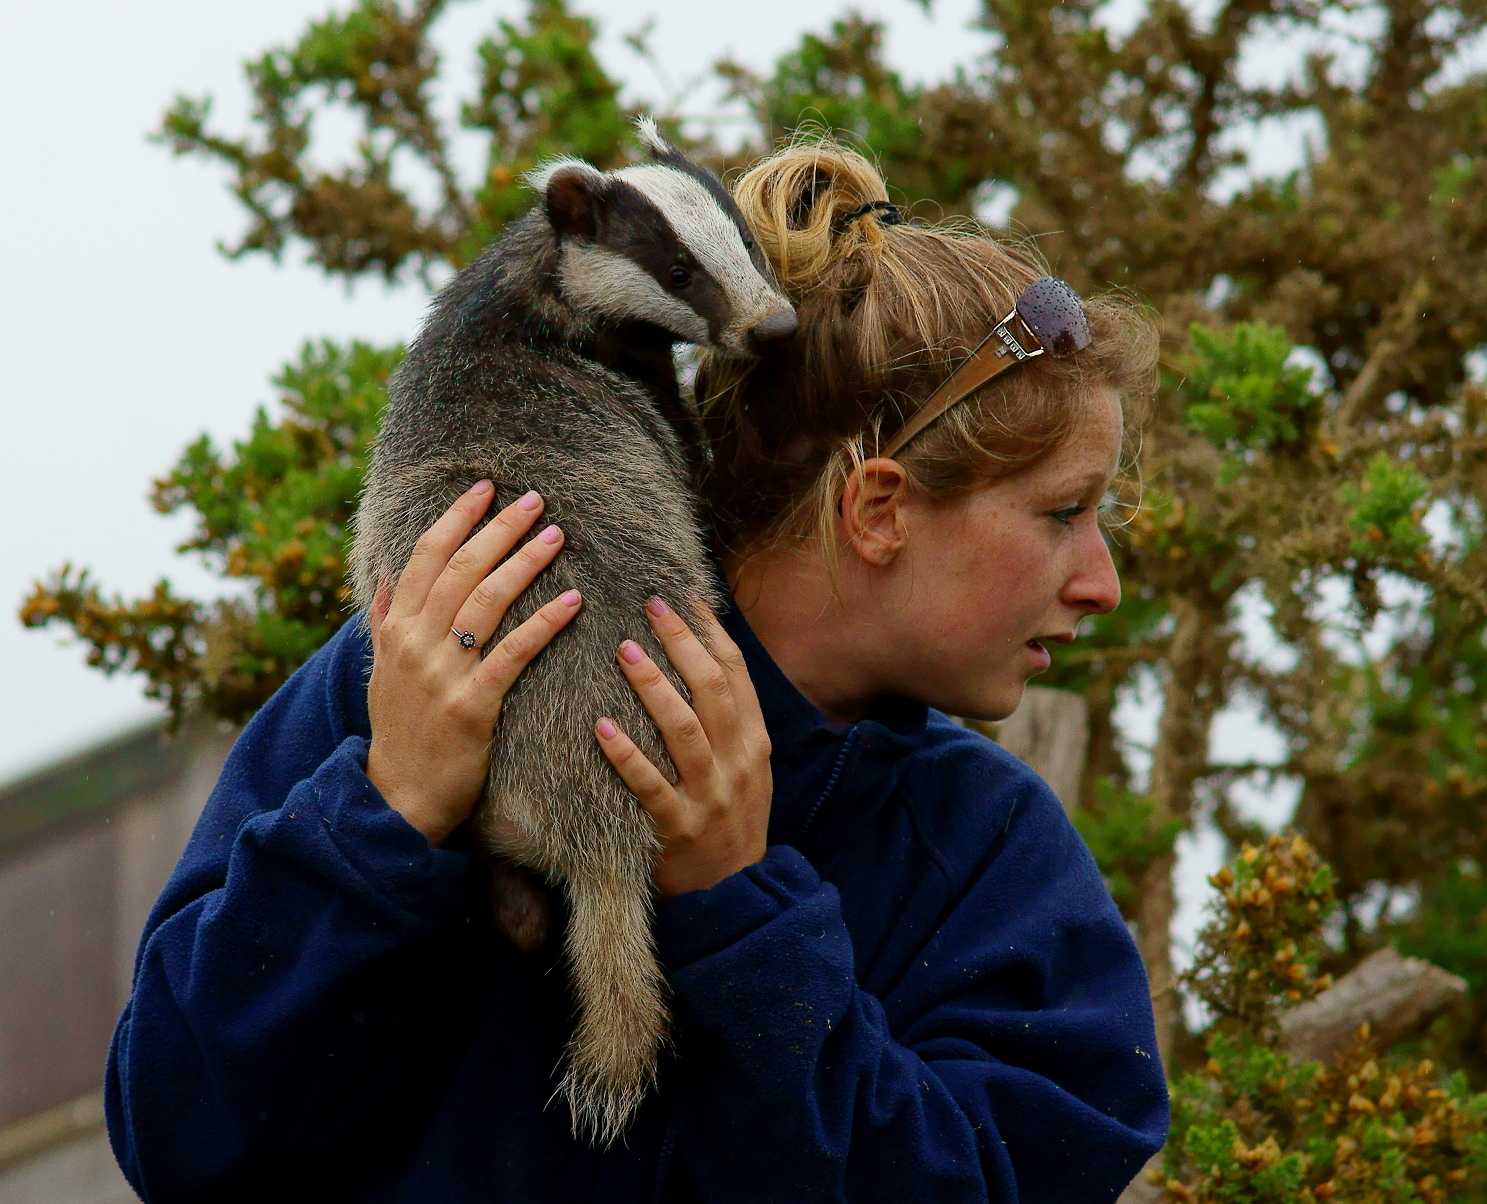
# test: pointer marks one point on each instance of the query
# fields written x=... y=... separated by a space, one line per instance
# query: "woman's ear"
x=870 y=516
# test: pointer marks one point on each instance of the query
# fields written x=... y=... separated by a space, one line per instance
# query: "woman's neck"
x=823 y=648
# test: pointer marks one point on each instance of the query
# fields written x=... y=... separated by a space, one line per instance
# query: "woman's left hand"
x=715 y=820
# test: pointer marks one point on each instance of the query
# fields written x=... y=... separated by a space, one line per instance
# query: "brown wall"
x=57 y=971
x=74 y=896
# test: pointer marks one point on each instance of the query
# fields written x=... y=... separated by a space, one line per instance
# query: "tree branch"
x=1396 y=336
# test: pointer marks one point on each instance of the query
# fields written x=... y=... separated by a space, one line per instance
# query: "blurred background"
x=1295 y=186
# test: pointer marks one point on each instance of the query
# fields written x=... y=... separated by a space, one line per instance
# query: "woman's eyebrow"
x=1080 y=485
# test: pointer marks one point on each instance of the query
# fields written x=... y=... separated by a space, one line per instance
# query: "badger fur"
x=546 y=364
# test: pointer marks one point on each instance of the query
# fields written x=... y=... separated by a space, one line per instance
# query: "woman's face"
x=1020 y=560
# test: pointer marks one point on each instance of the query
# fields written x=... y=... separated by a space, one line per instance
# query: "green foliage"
x=1450 y=926
x=542 y=93
x=1259 y=951
x=1241 y=394
x=1420 y=768
x=1125 y=835
x=1385 y=508
x=271 y=513
x=1180 y=532
x=1255 y=1125
x=840 y=81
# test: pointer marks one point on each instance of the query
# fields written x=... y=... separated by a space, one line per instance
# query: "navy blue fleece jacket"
x=923 y=992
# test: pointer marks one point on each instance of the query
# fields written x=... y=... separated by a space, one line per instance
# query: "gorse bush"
x=271 y=513
x=1255 y=1124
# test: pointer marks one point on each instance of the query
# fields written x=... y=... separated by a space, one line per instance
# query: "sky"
x=126 y=334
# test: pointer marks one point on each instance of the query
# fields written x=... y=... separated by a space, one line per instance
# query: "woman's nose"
x=1095 y=585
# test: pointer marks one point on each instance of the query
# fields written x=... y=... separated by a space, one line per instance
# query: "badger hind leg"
x=519 y=905
x=622 y=1020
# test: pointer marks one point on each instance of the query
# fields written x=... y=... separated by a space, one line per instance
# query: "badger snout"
x=770 y=319
x=779 y=325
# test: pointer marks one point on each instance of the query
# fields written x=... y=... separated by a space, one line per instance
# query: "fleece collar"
x=825 y=771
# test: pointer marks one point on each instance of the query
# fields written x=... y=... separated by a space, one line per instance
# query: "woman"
x=896 y=973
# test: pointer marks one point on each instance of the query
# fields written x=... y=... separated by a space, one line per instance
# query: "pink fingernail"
x=551 y=535
x=530 y=500
x=630 y=650
x=657 y=607
x=606 y=729
x=570 y=598
x=479 y=488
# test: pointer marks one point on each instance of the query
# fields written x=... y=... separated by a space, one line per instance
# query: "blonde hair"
x=885 y=312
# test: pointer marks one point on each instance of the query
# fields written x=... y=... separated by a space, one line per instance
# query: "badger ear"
x=571 y=190
x=572 y=199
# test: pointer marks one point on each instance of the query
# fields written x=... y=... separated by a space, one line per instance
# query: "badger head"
x=661 y=245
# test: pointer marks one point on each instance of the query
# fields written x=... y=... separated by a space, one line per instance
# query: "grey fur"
x=508 y=380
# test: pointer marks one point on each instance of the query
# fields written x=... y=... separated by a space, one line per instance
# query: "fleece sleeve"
x=1013 y=1061
x=270 y=1005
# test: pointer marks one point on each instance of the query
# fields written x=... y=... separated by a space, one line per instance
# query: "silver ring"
x=466 y=638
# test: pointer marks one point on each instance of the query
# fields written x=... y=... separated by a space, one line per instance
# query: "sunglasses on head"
x=1048 y=319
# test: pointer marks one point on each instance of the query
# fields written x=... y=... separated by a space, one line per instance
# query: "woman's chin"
x=988 y=706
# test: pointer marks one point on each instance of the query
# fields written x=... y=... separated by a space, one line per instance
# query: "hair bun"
x=798 y=202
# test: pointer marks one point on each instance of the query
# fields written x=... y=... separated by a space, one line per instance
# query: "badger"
x=547 y=364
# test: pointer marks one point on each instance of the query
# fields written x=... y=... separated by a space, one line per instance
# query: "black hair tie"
x=888 y=214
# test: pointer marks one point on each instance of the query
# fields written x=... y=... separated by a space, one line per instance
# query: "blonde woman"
x=896 y=973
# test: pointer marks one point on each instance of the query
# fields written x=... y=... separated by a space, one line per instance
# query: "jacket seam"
x=916 y=821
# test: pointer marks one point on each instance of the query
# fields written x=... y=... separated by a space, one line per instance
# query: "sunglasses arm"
x=993 y=355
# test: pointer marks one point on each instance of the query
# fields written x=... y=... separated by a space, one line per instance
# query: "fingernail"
x=657 y=607
x=606 y=729
x=570 y=598
x=551 y=535
x=480 y=487
x=630 y=650
x=530 y=500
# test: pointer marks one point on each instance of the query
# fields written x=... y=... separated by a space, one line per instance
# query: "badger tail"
x=622 y=1018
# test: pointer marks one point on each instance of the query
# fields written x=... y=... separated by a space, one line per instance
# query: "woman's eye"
x=680 y=276
x=1069 y=514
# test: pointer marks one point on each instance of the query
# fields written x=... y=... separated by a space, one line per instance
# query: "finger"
x=468 y=564
x=381 y=600
x=647 y=783
x=681 y=730
x=484 y=609
x=497 y=672
x=713 y=696
x=434 y=547
x=730 y=659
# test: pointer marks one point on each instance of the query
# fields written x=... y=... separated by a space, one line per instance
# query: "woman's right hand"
x=434 y=703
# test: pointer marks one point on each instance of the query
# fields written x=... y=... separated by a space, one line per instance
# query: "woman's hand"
x=715 y=820
x=433 y=702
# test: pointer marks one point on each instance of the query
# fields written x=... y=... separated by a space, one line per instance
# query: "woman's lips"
x=1039 y=654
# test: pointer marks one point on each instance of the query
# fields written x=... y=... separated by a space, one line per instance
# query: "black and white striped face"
x=663 y=243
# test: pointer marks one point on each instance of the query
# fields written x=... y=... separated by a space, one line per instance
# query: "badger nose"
x=779 y=325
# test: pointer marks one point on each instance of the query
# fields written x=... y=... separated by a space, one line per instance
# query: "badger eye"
x=748 y=243
x=680 y=275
